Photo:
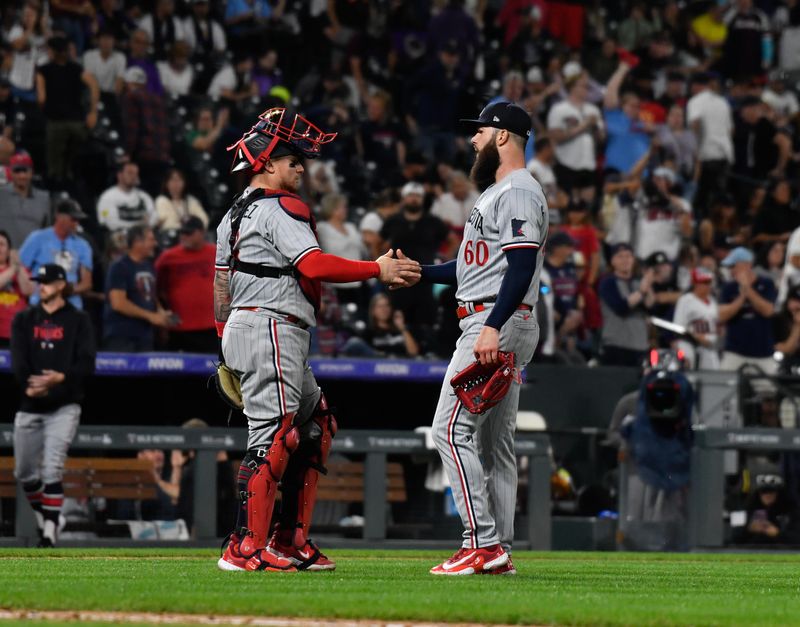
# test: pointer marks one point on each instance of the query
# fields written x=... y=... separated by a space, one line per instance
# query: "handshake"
x=398 y=271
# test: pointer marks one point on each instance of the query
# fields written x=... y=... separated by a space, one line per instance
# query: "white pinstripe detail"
x=276 y=361
x=462 y=475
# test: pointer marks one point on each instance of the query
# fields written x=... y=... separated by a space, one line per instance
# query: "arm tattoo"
x=222 y=296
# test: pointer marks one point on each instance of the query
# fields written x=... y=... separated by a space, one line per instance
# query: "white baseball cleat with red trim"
x=473 y=561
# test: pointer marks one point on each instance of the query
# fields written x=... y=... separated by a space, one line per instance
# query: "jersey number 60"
x=477 y=252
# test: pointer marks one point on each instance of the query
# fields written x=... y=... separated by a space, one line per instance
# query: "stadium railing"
x=374 y=445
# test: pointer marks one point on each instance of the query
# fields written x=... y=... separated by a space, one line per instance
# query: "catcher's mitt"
x=229 y=387
x=480 y=386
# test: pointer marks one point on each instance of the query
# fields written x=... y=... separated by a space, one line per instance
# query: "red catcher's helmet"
x=270 y=137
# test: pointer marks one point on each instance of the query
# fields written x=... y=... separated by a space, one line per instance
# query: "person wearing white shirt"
x=125 y=205
x=174 y=206
x=106 y=64
x=454 y=206
x=664 y=218
x=709 y=116
x=339 y=237
x=163 y=27
x=204 y=35
x=575 y=126
x=372 y=223
x=541 y=168
x=698 y=312
x=176 y=73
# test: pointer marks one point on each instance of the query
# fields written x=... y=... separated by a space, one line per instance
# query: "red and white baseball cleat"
x=309 y=557
x=264 y=560
x=473 y=561
x=505 y=569
x=231 y=559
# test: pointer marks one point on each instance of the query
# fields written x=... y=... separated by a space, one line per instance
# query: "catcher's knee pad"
x=300 y=482
x=261 y=471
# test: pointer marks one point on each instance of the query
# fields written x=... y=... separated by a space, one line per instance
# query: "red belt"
x=287 y=317
x=467 y=309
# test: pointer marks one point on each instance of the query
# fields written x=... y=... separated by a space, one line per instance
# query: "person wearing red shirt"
x=184 y=276
x=15 y=287
x=579 y=227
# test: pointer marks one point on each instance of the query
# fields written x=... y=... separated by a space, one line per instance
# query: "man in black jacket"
x=52 y=353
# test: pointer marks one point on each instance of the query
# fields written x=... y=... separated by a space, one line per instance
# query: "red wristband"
x=220 y=327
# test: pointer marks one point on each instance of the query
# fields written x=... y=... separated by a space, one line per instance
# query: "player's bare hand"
x=487 y=345
x=161 y=318
x=407 y=282
x=33 y=392
x=398 y=272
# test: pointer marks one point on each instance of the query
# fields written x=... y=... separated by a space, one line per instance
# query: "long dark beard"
x=485 y=167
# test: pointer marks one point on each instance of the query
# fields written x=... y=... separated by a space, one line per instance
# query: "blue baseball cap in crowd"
x=503 y=115
x=738 y=255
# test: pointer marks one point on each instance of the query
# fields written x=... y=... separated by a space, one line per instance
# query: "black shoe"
x=45 y=543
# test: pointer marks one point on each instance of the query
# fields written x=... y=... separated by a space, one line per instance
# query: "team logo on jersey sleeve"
x=516 y=228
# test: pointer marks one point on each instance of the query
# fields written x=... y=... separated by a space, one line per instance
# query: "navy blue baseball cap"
x=49 y=273
x=503 y=115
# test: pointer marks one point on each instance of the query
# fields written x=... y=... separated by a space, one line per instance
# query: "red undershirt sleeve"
x=319 y=265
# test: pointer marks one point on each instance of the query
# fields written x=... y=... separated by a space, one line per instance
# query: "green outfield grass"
x=551 y=588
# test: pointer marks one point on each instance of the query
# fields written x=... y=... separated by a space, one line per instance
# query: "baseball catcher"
x=266 y=293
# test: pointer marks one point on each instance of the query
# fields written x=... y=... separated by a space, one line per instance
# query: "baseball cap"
x=768 y=482
x=69 y=207
x=571 y=71
x=738 y=255
x=618 y=248
x=503 y=115
x=749 y=101
x=20 y=161
x=534 y=75
x=656 y=259
x=49 y=273
x=191 y=224
x=665 y=172
x=702 y=275
x=560 y=239
x=135 y=74
x=412 y=187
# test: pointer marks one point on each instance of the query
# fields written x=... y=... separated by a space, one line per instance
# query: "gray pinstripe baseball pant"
x=478 y=450
x=41 y=442
x=271 y=357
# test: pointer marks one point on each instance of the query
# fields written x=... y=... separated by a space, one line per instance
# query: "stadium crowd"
x=666 y=140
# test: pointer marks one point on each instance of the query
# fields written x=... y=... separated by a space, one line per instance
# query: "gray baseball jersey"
x=478 y=450
x=508 y=215
x=275 y=231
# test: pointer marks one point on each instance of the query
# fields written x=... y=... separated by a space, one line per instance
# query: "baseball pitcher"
x=266 y=293
x=497 y=273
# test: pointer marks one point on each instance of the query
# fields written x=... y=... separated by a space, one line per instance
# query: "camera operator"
x=663 y=218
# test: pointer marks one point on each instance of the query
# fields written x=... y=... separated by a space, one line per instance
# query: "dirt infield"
x=157 y=618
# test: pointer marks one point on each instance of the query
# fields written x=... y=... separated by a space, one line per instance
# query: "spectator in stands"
x=15 y=287
x=747 y=304
x=147 y=136
x=779 y=98
x=203 y=33
x=454 y=206
x=132 y=311
x=124 y=205
x=698 y=313
x=7 y=150
x=381 y=139
x=625 y=301
x=760 y=149
x=628 y=137
x=532 y=45
x=771 y=260
x=139 y=56
x=174 y=206
x=184 y=275
x=23 y=207
x=748 y=46
x=386 y=334
x=8 y=114
x=72 y=17
x=176 y=73
x=163 y=506
x=234 y=81
x=568 y=309
x=112 y=18
x=636 y=30
x=677 y=144
x=339 y=237
x=579 y=227
x=203 y=137
x=433 y=95
x=786 y=328
x=420 y=236
x=665 y=285
x=575 y=126
x=106 y=64
x=372 y=223
x=709 y=116
x=59 y=89
x=674 y=91
x=711 y=30
x=721 y=232
x=664 y=217
x=541 y=167
x=772 y=516
x=777 y=218
x=28 y=40
x=266 y=73
x=60 y=244
x=162 y=27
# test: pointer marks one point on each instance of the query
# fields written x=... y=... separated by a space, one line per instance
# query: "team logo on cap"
x=495 y=119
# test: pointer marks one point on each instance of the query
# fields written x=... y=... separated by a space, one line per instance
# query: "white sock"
x=49 y=530
x=39 y=519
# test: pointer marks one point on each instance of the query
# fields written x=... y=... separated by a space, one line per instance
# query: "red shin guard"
x=268 y=467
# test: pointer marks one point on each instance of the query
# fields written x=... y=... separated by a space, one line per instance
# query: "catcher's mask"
x=271 y=137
